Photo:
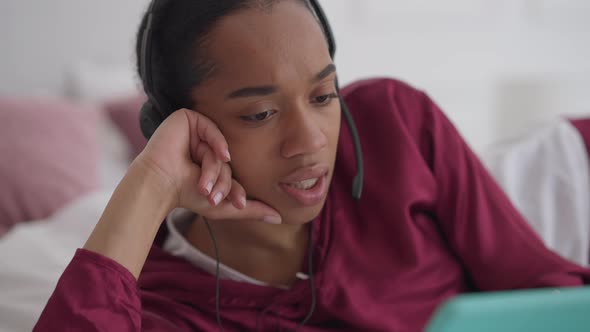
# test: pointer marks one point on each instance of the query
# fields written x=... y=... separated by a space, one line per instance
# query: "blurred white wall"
x=497 y=67
x=42 y=40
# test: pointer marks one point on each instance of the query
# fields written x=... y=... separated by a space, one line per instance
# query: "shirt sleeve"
x=94 y=293
x=498 y=248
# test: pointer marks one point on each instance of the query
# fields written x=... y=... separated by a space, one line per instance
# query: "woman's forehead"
x=268 y=45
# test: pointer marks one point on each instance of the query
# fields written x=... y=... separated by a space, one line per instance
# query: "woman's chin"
x=301 y=215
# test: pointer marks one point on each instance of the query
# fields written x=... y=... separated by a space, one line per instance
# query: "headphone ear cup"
x=149 y=119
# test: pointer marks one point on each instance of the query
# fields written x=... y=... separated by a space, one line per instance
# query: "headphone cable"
x=217 y=279
x=217 y=288
x=311 y=280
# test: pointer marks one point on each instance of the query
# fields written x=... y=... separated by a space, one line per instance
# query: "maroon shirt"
x=432 y=223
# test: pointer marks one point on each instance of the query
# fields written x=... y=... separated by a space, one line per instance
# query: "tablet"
x=539 y=310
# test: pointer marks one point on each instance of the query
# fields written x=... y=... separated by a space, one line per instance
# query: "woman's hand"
x=190 y=155
x=167 y=174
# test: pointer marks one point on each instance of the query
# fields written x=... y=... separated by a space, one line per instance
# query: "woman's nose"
x=303 y=135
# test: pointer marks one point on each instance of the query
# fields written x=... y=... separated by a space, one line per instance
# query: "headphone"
x=155 y=111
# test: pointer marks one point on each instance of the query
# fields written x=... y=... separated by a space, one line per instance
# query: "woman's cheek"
x=251 y=167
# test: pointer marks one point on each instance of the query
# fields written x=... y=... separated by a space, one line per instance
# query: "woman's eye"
x=324 y=99
x=258 y=117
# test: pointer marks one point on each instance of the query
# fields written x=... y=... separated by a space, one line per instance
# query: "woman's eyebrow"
x=253 y=91
x=331 y=68
x=265 y=90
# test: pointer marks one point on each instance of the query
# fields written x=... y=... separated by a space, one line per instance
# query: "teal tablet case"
x=540 y=310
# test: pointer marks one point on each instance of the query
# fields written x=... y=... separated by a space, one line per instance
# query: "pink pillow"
x=125 y=114
x=49 y=156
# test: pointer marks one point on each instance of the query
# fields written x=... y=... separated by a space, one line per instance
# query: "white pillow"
x=114 y=153
x=546 y=175
x=95 y=83
x=34 y=255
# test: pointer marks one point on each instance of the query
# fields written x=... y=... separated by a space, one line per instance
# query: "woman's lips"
x=306 y=173
x=307 y=185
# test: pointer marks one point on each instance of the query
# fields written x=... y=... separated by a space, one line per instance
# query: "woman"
x=262 y=155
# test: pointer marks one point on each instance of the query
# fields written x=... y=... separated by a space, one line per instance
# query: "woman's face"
x=273 y=96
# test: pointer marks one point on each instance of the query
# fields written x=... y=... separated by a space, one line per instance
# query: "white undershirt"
x=178 y=222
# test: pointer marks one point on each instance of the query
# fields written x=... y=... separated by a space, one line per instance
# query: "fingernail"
x=272 y=220
x=217 y=198
x=243 y=201
x=226 y=155
x=209 y=187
